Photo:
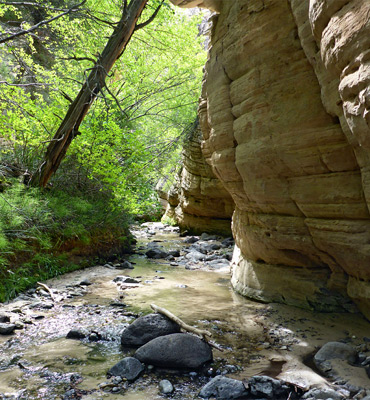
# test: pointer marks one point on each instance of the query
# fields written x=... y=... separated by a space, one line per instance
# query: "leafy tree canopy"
x=132 y=134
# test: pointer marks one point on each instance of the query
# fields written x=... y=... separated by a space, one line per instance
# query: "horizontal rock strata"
x=285 y=117
x=198 y=201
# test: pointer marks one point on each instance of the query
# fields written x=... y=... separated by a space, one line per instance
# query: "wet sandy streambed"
x=39 y=362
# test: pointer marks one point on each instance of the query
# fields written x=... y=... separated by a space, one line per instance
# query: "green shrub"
x=36 y=226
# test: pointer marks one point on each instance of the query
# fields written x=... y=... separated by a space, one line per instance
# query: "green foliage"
x=169 y=221
x=133 y=133
x=34 y=226
x=131 y=136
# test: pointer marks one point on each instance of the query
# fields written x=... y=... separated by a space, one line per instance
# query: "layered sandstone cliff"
x=198 y=201
x=285 y=115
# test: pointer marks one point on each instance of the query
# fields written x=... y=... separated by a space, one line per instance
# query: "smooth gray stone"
x=223 y=388
x=176 y=351
x=6 y=329
x=129 y=368
x=147 y=328
x=165 y=386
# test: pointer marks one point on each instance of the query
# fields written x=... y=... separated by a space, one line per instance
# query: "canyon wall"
x=285 y=117
x=197 y=201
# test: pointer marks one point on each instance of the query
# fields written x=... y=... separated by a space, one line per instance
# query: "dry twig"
x=200 y=332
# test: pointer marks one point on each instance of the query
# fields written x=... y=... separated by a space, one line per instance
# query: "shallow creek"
x=38 y=362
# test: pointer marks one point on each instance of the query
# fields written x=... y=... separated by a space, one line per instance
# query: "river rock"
x=269 y=388
x=85 y=282
x=147 y=328
x=211 y=247
x=129 y=368
x=223 y=388
x=331 y=351
x=4 y=318
x=191 y=239
x=195 y=256
x=6 y=329
x=174 y=253
x=176 y=351
x=198 y=247
x=322 y=394
x=126 y=265
x=206 y=237
x=218 y=264
x=126 y=279
x=165 y=386
x=228 y=242
x=76 y=334
x=156 y=253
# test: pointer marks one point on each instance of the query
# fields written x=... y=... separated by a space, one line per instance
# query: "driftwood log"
x=205 y=335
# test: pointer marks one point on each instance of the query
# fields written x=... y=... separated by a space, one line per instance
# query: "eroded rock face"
x=199 y=202
x=285 y=115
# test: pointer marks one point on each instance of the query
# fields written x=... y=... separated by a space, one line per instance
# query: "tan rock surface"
x=198 y=201
x=285 y=116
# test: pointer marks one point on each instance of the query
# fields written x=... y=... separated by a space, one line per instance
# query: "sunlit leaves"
x=133 y=132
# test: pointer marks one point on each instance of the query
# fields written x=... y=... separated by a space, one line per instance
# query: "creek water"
x=39 y=362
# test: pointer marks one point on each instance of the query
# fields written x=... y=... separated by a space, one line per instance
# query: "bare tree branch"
x=103 y=21
x=24 y=84
x=75 y=58
x=139 y=26
x=116 y=100
x=45 y=22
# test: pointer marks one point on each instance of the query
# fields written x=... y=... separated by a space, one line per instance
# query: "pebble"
x=165 y=386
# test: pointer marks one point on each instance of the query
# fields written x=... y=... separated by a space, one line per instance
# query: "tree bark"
x=77 y=111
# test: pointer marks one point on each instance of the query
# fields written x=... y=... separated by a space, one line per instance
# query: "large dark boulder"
x=176 y=351
x=146 y=328
x=334 y=359
x=129 y=368
x=334 y=350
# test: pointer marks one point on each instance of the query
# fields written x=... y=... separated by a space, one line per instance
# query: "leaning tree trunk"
x=68 y=129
